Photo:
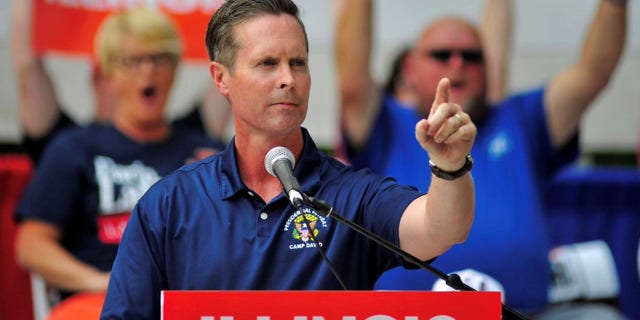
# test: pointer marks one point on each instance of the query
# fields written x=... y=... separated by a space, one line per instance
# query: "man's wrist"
x=452 y=175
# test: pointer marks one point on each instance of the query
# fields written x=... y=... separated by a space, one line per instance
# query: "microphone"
x=279 y=162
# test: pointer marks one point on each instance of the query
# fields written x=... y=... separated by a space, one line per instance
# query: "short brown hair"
x=220 y=40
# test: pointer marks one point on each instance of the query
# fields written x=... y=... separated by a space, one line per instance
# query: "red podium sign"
x=329 y=305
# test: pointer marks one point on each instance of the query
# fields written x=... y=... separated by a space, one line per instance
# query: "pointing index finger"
x=442 y=94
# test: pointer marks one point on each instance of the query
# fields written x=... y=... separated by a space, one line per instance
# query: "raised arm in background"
x=572 y=91
x=496 y=31
x=359 y=94
x=37 y=101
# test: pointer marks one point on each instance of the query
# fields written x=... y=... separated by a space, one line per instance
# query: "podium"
x=329 y=305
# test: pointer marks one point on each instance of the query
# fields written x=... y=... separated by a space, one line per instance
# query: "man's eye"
x=298 y=63
x=132 y=61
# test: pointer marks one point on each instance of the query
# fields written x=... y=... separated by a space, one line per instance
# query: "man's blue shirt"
x=514 y=161
x=201 y=228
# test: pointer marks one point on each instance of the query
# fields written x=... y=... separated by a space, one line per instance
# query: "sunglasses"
x=469 y=56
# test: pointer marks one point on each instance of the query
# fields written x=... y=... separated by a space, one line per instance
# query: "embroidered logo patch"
x=305 y=227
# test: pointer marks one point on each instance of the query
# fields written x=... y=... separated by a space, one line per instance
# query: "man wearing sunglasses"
x=522 y=139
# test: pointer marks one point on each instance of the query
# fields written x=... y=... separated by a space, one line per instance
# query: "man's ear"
x=220 y=76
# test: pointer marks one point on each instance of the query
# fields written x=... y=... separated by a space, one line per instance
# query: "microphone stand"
x=453 y=280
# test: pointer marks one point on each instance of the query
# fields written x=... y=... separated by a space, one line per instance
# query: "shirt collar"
x=307 y=168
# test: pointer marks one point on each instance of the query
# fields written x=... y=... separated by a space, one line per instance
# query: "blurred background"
x=595 y=203
x=547 y=37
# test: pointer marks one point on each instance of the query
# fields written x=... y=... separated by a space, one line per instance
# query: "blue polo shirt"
x=201 y=228
x=514 y=162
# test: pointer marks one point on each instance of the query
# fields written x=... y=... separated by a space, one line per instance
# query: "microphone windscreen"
x=275 y=154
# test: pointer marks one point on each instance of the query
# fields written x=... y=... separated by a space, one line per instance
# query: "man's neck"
x=250 y=153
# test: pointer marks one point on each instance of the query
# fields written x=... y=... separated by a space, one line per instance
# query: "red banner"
x=330 y=305
x=68 y=26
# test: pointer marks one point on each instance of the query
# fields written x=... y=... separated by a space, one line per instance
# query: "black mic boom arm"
x=452 y=280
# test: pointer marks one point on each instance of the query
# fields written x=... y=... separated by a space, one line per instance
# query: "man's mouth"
x=149 y=92
x=456 y=84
